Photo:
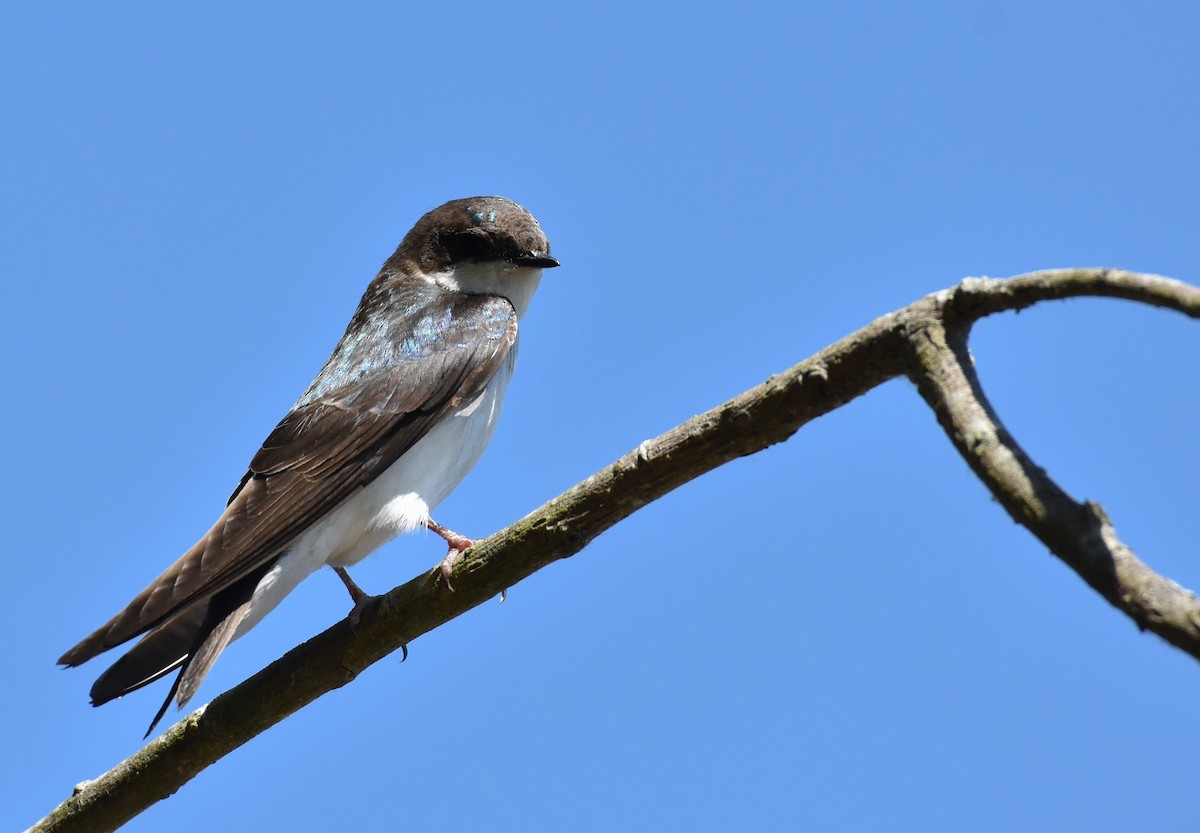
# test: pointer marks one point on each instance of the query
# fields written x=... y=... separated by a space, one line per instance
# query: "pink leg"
x=361 y=597
x=458 y=545
x=453 y=539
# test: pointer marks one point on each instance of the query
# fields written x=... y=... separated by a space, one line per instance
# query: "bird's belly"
x=400 y=499
x=397 y=501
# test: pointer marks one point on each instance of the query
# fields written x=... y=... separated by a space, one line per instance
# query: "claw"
x=458 y=545
x=361 y=598
x=447 y=566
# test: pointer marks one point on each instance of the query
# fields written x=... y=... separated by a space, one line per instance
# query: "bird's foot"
x=458 y=545
x=447 y=566
x=455 y=541
x=361 y=597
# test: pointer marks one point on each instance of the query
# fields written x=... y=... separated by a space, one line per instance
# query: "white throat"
x=516 y=283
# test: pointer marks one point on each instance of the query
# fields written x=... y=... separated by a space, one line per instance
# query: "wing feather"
x=390 y=379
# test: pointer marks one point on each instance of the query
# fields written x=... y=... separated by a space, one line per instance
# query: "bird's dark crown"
x=475 y=229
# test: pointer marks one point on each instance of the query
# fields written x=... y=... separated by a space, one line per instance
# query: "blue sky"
x=841 y=633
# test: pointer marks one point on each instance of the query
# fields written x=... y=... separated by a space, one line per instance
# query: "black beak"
x=536 y=261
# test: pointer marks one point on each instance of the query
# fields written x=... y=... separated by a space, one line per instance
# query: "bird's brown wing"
x=383 y=388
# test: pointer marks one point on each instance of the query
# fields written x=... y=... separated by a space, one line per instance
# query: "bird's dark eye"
x=465 y=245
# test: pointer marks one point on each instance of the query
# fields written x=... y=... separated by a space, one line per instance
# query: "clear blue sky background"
x=842 y=633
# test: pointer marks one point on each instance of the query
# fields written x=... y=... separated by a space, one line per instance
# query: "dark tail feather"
x=210 y=642
x=191 y=641
x=163 y=708
x=201 y=661
x=156 y=654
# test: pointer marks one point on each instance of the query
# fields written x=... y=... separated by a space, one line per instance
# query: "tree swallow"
x=398 y=415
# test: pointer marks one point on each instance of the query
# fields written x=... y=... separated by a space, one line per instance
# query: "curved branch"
x=925 y=340
x=1081 y=534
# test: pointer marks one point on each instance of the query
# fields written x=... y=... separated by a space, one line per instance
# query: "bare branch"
x=1078 y=533
x=926 y=340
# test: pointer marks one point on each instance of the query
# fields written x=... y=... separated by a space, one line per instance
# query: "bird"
x=395 y=419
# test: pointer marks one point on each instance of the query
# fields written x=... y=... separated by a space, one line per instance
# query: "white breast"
x=397 y=501
x=401 y=498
